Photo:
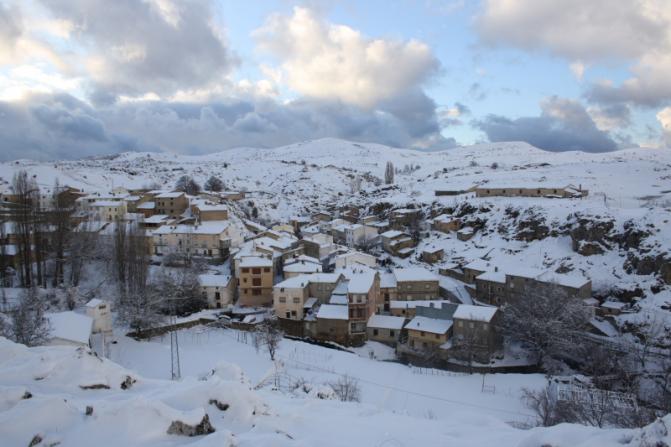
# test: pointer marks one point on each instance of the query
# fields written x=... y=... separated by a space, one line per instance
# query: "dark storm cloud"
x=563 y=125
x=60 y=126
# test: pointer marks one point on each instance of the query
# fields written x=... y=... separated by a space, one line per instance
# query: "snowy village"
x=197 y=260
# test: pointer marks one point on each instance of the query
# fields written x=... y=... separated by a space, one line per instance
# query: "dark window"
x=266 y=269
x=256 y=292
x=374 y=331
x=245 y=270
x=392 y=333
x=256 y=271
x=256 y=281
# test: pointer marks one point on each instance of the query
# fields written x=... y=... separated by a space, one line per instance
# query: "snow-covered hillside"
x=626 y=213
x=67 y=396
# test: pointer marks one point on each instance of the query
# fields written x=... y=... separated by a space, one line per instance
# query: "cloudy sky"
x=87 y=77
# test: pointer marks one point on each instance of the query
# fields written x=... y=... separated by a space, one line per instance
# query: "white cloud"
x=578 y=69
x=336 y=62
x=664 y=118
x=592 y=32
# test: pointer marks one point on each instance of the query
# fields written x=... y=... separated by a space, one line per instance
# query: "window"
x=256 y=292
x=392 y=333
x=256 y=281
x=421 y=333
x=297 y=300
x=266 y=269
x=375 y=331
x=288 y=314
x=437 y=336
x=283 y=299
x=256 y=271
x=217 y=295
x=245 y=270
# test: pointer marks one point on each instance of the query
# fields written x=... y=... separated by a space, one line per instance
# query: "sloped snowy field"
x=41 y=395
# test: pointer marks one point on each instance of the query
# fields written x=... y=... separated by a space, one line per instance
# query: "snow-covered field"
x=46 y=398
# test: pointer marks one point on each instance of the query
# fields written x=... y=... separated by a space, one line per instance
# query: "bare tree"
x=22 y=214
x=347 y=389
x=82 y=248
x=389 y=173
x=268 y=335
x=28 y=322
x=59 y=219
x=214 y=184
x=188 y=185
x=180 y=290
x=545 y=319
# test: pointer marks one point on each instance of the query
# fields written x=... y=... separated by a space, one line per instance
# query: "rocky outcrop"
x=531 y=226
x=589 y=234
x=183 y=429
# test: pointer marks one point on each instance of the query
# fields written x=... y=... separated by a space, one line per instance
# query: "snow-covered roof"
x=613 y=305
x=296 y=282
x=310 y=302
x=479 y=264
x=333 y=312
x=212 y=280
x=386 y=322
x=524 y=272
x=338 y=299
x=103 y=203
x=300 y=267
x=255 y=261
x=387 y=280
x=475 y=313
x=146 y=206
x=95 y=302
x=432 y=325
x=398 y=304
x=169 y=195
x=156 y=218
x=70 y=326
x=604 y=327
x=212 y=227
x=493 y=276
x=574 y=281
x=414 y=274
x=392 y=234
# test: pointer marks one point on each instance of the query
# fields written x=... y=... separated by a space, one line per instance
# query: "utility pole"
x=174 y=351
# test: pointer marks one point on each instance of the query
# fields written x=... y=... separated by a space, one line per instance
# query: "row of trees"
x=190 y=186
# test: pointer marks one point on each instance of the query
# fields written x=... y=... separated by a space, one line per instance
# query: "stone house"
x=109 y=210
x=408 y=309
x=565 y=192
x=301 y=265
x=333 y=323
x=431 y=255
x=425 y=333
x=218 y=290
x=289 y=297
x=318 y=245
x=174 y=204
x=446 y=223
x=394 y=241
x=405 y=217
x=209 y=239
x=385 y=328
x=205 y=211
x=475 y=332
x=416 y=283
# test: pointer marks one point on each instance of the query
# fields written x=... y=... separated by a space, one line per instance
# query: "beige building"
x=431 y=255
x=385 y=328
x=209 y=239
x=416 y=283
x=565 y=192
x=353 y=258
x=396 y=242
x=318 y=245
x=426 y=333
x=108 y=210
x=446 y=223
x=333 y=323
x=255 y=284
x=290 y=296
x=218 y=290
x=205 y=211
x=174 y=204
